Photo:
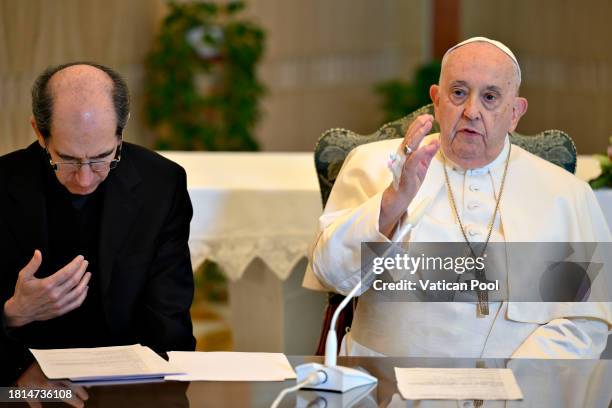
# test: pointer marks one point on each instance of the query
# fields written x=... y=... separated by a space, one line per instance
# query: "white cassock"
x=541 y=202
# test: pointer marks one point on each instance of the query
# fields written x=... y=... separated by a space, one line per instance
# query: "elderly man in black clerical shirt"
x=93 y=229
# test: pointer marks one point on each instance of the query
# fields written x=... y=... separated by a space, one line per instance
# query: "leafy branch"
x=202 y=91
x=605 y=178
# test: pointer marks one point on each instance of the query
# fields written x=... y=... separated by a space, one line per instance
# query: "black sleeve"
x=165 y=322
x=14 y=357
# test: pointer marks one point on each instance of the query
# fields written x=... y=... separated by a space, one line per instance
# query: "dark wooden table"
x=544 y=383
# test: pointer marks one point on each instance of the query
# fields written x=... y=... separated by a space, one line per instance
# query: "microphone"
x=339 y=378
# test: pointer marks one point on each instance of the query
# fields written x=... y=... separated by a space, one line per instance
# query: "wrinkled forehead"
x=481 y=61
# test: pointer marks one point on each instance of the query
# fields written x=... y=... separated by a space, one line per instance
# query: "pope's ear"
x=518 y=110
x=39 y=136
x=434 y=93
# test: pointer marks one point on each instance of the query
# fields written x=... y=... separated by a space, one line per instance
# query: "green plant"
x=402 y=97
x=210 y=282
x=605 y=178
x=202 y=92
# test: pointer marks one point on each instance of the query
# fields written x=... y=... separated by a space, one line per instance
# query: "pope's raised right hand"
x=395 y=202
x=43 y=299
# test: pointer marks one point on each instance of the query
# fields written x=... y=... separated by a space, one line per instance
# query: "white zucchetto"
x=495 y=43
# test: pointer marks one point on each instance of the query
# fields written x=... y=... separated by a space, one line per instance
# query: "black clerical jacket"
x=145 y=276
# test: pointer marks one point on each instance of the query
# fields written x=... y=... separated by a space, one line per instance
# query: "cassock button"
x=473 y=206
x=477 y=172
x=474 y=187
x=472 y=232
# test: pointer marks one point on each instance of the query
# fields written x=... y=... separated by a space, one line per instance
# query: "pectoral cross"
x=482 y=308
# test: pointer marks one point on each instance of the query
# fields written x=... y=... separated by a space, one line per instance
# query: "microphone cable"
x=316 y=378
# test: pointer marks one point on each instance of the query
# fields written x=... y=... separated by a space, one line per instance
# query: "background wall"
x=564 y=50
x=323 y=57
x=37 y=33
x=321 y=62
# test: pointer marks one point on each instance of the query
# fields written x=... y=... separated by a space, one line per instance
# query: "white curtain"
x=35 y=34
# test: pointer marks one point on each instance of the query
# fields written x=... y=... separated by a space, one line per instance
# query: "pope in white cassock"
x=475 y=186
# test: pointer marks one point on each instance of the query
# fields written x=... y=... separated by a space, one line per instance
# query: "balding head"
x=81 y=95
x=81 y=82
x=80 y=110
x=77 y=86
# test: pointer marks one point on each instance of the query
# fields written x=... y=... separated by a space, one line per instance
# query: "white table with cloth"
x=255 y=214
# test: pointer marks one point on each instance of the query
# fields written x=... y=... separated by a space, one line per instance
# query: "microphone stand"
x=338 y=378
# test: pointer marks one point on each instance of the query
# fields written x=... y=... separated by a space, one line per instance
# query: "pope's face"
x=476 y=104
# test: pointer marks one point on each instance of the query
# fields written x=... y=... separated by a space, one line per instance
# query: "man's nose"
x=471 y=108
x=85 y=175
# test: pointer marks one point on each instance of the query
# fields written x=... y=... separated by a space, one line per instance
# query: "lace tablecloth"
x=248 y=205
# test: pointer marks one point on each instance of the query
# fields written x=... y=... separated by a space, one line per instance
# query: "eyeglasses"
x=97 y=166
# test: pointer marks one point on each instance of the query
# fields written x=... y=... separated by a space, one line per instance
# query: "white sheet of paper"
x=230 y=366
x=102 y=363
x=457 y=383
